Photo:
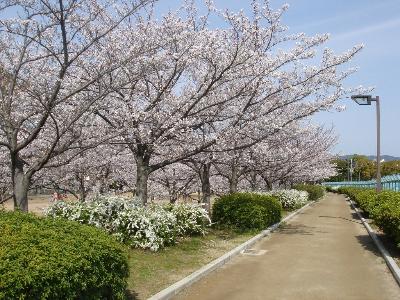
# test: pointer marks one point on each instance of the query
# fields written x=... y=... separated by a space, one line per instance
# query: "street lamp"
x=366 y=100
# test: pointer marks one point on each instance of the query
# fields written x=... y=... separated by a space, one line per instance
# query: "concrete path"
x=323 y=253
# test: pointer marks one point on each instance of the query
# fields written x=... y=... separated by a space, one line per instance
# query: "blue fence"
x=391 y=182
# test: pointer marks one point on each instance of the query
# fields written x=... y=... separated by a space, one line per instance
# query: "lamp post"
x=366 y=100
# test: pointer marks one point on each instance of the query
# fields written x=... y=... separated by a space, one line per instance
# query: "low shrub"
x=151 y=227
x=383 y=208
x=190 y=219
x=332 y=189
x=351 y=192
x=366 y=199
x=44 y=258
x=246 y=211
x=290 y=199
x=386 y=214
x=314 y=191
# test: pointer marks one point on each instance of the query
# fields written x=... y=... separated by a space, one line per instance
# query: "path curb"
x=175 y=288
x=394 y=268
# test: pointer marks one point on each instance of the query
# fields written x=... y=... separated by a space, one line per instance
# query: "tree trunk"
x=142 y=176
x=20 y=183
x=173 y=194
x=205 y=185
x=173 y=198
x=253 y=181
x=82 y=192
x=233 y=181
x=268 y=183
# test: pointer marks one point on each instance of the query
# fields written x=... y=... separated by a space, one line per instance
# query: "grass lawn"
x=153 y=271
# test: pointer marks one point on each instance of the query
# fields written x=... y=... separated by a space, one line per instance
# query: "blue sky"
x=376 y=24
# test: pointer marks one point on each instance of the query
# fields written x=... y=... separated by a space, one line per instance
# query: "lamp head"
x=362 y=99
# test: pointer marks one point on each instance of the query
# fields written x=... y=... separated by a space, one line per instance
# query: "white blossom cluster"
x=290 y=199
x=104 y=96
x=147 y=227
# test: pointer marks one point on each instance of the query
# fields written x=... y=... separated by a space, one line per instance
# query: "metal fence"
x=391 y=182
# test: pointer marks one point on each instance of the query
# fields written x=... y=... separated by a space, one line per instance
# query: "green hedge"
x=246 y=211
x=383 y=208
x=351 y=191
x=314 y=191
x=331 y=189
x=43 y=258
x=386 y=214
x=366 y=200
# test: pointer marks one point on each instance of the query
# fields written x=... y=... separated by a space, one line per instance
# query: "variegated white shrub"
x=148 y=227
x=290 y=199
x=190 y=218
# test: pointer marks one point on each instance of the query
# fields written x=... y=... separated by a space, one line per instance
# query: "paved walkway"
x=323 y=253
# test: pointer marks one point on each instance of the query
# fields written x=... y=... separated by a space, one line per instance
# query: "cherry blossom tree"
x=177 y=179
x=308 y=157
x=206 y=90
x=173 y=98
x=54 y=67
x=297 y=155
x=96 y=171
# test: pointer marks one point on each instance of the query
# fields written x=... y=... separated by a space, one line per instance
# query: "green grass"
x=154 y=271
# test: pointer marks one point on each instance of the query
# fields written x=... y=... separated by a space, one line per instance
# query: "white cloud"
x=347 y=14
x=368 y=29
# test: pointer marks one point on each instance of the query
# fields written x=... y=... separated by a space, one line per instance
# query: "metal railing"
x=390 y=182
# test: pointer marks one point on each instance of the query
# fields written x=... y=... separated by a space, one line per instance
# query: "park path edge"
x=394 y=268
x=187 y=281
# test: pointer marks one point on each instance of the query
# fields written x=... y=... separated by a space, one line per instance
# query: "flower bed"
x=148 y=227
x=290 y=199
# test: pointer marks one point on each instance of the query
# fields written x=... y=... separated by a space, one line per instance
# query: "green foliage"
x=331 y=189
x=366 y=199
x=351 y=192
x=246 y=211
x=341 y=166
x=383 y=208
x=363 y=168
x=390 y=167
x=386 y=214
x=314 y=191
x=44 y=258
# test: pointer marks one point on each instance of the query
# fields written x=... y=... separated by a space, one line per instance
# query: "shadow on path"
x=388 y=242
x=368 y=244
x=350 y=220
x=322 y=253
x=297 y=229
x=131 y=295
x=390 y=245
